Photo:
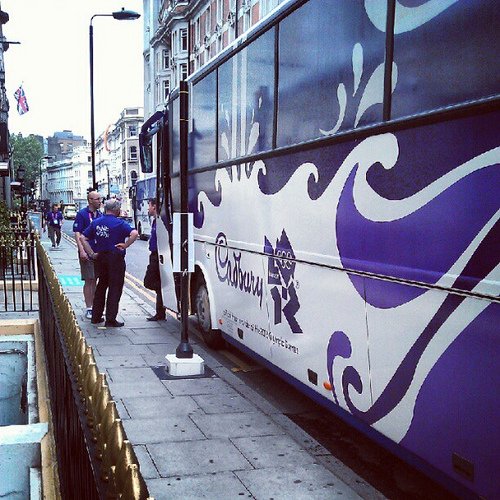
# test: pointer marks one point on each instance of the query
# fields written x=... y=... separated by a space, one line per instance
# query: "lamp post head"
x=126 y=15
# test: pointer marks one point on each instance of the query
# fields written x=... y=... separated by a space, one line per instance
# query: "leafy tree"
x=26 y=151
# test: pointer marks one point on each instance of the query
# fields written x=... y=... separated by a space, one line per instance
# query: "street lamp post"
x=121 y=15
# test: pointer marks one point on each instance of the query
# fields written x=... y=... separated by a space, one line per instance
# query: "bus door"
x=155 y=130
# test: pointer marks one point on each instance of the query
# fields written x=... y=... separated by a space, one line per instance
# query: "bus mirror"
x=146 y=158
x=148 y=130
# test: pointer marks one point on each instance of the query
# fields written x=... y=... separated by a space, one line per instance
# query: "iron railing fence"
x=94 y=456
x=76 y=472
x=18 y=281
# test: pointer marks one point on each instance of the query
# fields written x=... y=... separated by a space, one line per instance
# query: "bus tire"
x=212 y=337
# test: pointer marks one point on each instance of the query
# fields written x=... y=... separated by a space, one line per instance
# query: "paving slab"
x=139 y=374
x=122 y=350
x=197 y=457
x=308 y=482
x=156 y=359
x=198 y=386
x=137 y=389
x=148 y=469
x=121 y=361
x=223 y=486
x=139 y=321
x=168 y=429
x=109 y=339
x=280 y=451
x=223 y=403
x=147 y=408
x=152 y=337
x=236 y=425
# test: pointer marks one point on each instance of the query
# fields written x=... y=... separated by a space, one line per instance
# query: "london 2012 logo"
x=229 y=264
x=281 y=274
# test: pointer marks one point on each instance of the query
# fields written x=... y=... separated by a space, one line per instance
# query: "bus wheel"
x=212 y=338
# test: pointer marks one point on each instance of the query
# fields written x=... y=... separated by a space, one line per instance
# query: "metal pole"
x=40 y=174
x=92 y=132
x=184 y=349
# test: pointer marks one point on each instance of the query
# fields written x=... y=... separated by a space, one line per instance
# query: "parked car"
x=69 y=212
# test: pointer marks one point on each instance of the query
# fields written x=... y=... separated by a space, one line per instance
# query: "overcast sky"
x=52 y=63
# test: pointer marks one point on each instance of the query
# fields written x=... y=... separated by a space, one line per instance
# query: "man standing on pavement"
x=54 y=220
x=152 y=278
x=83 y=220
x=110 y=236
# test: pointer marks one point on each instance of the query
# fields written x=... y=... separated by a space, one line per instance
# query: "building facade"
x=67 y=180
x=117 y=156
x=62 y=144
x=181 y=36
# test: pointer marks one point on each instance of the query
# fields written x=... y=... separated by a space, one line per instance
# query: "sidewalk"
x=208 y=437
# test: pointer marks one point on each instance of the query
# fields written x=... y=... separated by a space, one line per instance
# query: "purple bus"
x=343 y=175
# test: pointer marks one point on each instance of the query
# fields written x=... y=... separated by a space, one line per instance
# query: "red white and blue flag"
x=22 y=103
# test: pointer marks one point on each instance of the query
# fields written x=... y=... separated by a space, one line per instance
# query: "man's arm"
x=86 y=247
x=81 y=250
x=132 y=237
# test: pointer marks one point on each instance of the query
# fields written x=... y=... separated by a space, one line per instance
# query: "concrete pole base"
x=185 y=367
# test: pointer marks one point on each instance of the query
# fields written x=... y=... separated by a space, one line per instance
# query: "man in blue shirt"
x=105 y=241
x=82 y=221
x=54 y=221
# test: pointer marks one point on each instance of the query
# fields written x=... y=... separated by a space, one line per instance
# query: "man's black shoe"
x=96 y=321
x=156 y=317
x=114 y=323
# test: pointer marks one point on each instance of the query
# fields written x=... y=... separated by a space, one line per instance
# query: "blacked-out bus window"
x=175 y=137
x=246 y=100
x=449 y=59
x=203 y=122
x=331 y=71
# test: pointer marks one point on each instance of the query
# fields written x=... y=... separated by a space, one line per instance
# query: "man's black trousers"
x=110 y=273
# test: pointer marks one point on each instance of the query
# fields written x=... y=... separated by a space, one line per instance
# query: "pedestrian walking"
x=55 y=221
x=83 y=219
x=110 y=237
x=152 y=279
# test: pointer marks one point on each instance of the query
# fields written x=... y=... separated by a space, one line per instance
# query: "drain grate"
x=162 y=373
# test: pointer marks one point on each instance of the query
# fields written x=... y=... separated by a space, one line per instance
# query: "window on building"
x=207 y=20
x=173 y=41
x=220 y=10
x=132 y=130
x=133 y=153
x=184 y=39
x=197 y=32
x=166 y=89
x=165 y=59
x=184 y=71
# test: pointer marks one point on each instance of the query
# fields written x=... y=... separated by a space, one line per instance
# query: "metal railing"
x=95 y=458
x=18 y=283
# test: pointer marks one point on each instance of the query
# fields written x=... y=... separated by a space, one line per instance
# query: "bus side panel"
x=238 y=293
x=308 y=314
x=435 y=376
x=456 y=412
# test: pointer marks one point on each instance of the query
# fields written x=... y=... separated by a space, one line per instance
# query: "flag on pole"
x=22 y=103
